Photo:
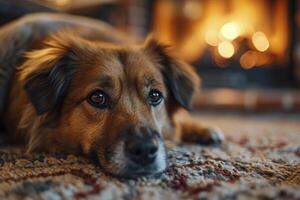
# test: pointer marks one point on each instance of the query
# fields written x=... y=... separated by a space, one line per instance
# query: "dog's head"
x=112 y=102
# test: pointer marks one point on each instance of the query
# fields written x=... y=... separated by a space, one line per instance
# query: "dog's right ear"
x=48 y=72
x=181 y=79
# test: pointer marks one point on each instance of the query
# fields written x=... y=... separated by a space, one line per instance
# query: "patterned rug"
x=259 y=160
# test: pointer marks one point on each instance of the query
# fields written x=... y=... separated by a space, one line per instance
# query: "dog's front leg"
x=189 y=129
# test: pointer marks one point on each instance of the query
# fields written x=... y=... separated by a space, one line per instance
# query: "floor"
x=260 y=159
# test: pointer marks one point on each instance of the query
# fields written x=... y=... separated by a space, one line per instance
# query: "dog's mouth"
x=157 y=166
x=120 y=164
x=134 y=171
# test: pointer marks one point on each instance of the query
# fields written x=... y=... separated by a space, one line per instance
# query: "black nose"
x=142 y=153
x=142 y=146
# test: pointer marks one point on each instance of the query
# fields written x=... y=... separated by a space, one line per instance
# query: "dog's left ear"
x=180 y=77
x=45 y=89
x=47 y=74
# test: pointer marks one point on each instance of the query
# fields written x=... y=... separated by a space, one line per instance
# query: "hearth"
x=233 y=43
x=246 y=51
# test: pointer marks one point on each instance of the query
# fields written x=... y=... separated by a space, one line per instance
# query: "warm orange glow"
x=211 y=38
x=260 y=41
x=230 y=31
x=191 y=25
x=226 y=49
x=61 y=2
x=248 y=60
x=192 y=9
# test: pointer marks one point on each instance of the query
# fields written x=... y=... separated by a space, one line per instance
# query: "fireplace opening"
x=233 y=43
x=246 y=51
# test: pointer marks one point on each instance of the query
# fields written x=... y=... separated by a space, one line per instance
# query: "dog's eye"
x=155 y=97
x=99 y=99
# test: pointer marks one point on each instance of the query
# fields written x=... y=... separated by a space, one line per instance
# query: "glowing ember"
x=211 y=38
x=192 y=9
x=239 y=33
x=248 y=60
x=260 y=41
x=226 y=49
x=230 y=31
x=60 y=2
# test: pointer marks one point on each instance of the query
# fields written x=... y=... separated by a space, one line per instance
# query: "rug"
x=259 y=160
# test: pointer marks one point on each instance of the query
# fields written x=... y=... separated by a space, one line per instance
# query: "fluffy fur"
x=47 y=108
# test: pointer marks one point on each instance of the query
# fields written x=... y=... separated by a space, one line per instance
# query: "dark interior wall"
x=13 y=9
x=296 y=35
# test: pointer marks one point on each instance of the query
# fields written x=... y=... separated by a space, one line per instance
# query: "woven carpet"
x=259 y=160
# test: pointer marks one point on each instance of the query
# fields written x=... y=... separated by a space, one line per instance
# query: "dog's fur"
x=46 y=106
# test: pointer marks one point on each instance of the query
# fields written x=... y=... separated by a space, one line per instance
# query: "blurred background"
x=246 y=51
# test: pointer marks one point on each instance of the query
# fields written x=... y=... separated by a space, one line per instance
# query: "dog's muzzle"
x=144 y=150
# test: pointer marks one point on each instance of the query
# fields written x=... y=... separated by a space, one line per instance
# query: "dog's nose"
x=142 y=146
x=142 y=152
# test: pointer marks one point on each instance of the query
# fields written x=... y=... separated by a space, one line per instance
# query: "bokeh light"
x=192 y=9
x=249 y=59
x=260 y=41
x=211 y=37
x=226 y=49
x=230 y=30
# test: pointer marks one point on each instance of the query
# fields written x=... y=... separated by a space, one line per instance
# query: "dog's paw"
x=206 y=136
x=214 y=136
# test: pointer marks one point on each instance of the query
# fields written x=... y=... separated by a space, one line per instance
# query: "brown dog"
x=84 y=89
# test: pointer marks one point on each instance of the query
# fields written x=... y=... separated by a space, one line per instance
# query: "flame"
x=211 y=37
x=226 y=49
x=230 y=31
x=260 y=41
x=191 y=25
x=248 y=60
x=192 y=9
x=61 y=3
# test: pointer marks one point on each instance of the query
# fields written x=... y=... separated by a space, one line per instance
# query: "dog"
x=76 y=85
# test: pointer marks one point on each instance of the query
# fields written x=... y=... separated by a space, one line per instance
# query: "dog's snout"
x=141 y=152
x=142 y=145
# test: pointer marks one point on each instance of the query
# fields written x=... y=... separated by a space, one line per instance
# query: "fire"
x=60 y=3
x=192 y=9
x=230 y=31
x=249 y=32
x=260 y=41
x=211 y=37
x=226 y=49
x=248 y=59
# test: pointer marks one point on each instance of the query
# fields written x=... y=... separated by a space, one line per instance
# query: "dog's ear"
x=45 y=89
x=48 y=72
x=180 y=77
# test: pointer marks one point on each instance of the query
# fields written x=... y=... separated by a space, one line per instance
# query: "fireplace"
x=232 y=43
x=246 y=51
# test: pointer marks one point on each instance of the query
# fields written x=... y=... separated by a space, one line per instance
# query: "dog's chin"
x=133 y=170
x=120 y=166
